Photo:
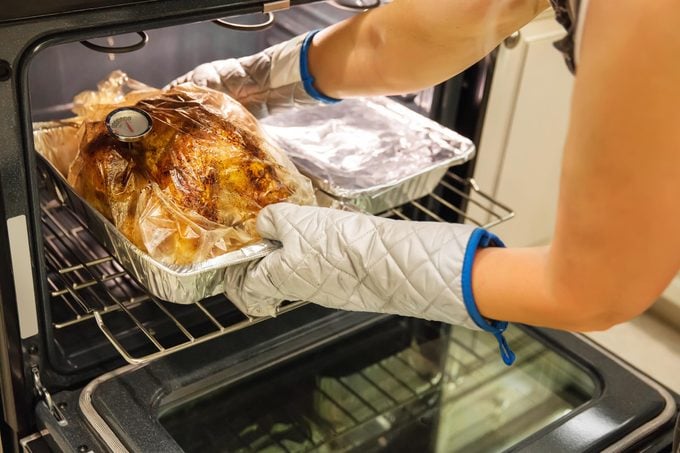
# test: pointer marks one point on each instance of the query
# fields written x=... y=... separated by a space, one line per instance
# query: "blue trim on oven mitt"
x=482 y=238
x=307 y=78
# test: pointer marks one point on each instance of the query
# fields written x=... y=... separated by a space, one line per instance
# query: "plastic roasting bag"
x=191 y=189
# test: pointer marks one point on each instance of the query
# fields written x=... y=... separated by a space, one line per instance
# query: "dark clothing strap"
x=566 y=12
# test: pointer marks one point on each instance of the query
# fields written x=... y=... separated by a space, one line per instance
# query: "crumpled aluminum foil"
x=372 y=152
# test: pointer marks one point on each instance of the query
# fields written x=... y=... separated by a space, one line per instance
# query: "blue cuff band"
x=482 y=238
x=307 y=79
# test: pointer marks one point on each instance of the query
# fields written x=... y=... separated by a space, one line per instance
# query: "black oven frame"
x=27 y=28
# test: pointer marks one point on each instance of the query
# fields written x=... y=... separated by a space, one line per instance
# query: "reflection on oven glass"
x=409 y=387
x=488 y=407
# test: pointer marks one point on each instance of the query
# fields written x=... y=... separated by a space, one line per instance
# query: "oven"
x=90 y=361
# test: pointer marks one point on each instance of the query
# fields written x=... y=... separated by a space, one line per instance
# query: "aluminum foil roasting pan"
x=373 y=152
x=365 y=154
x=183 y=284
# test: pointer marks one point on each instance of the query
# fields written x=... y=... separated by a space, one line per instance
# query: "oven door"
x=321 y=380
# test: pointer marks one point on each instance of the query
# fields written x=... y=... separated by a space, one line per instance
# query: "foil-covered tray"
x=372 y=152
x=182 y=284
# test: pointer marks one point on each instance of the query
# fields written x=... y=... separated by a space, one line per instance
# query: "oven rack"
x=87 y=284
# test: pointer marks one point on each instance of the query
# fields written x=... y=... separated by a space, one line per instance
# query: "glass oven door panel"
x=406 y=383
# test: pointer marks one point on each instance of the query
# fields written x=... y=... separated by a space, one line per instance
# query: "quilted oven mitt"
x=351 y=261
x=275 y=79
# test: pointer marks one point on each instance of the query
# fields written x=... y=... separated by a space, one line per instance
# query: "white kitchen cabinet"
x=524 y=131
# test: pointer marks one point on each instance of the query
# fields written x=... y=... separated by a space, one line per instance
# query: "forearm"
x=571 y=290
x=408 y=45
x=523 y=285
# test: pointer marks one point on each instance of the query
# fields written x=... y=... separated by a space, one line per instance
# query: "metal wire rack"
x=86 y=283
x=441 y=206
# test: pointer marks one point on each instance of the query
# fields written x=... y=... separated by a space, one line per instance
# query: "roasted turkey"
x=190 y=189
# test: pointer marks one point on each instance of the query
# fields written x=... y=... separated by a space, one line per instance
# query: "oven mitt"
x=351 y=261
x=275 y=79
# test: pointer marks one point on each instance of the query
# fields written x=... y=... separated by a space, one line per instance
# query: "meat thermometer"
x=128 y=124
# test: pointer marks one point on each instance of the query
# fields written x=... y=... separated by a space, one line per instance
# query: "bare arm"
x=617 y=238
x=412 y=44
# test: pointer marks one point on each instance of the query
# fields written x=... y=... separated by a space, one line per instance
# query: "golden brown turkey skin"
x=190 y=188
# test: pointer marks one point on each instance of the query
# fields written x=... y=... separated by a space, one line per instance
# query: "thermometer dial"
x=128 y=124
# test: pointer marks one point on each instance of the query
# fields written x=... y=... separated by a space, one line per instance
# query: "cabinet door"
x=524 y=131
